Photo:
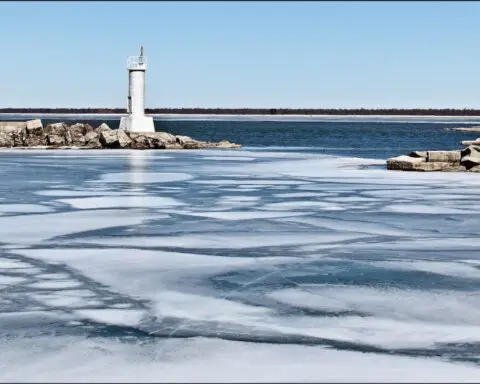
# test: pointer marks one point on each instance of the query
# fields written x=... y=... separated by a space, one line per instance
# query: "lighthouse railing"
x=136 y=62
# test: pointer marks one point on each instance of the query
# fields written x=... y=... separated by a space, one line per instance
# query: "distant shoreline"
x=212 y=115
x=258 y=112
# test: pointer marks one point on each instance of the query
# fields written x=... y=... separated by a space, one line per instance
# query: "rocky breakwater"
x=461 y=160
x=32 y=134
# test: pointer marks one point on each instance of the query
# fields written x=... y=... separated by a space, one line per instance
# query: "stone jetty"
x=32 y=134
x=461 y=160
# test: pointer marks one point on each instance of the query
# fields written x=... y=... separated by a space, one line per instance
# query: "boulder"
x=75 y=134
x=227 y=144
x=194 y=145
x=470 y=157
x=475 y=168
x=444 y=156
x=404 y=163
x=92 y=140
x=55 y=140
x=12 y=135
x=102 y=127
x=151 y=140
x=34 y=126
x=56 y=133
x=141 y=142
x=123 y=140
x=58 y=129
x=114 y=139
x=471 y=150
x=8 y=125
x=470 y=161
x=109 y=138
x=437 y=166
x=182 y=140
x=471 y=142
x=35 y=135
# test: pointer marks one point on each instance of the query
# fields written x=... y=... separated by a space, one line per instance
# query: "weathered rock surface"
x=433 y=161
x=32 y=134
x=405 y=163
x=471 y=142
x=12 y=135
x=443 y=156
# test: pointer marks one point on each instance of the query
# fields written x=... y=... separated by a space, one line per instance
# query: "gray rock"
x=227 y=144
x=109 y=139
x=444 y=156
x=12 y=135
x=92 y=140
x=34 y=126
x=470 y=161
x=404 y=163
x=34 y=134
x=75 y=134
x=470 y=157
x=173 y=146
x=471 y=142
x=438 y=166
x=475 y=168
x=182 y=140
x=471 y=150
x=12 y=125
x=141 y=142
x=56 y=140
x=58 y=129
x=152 y=140
x=103 y=127
x=123 y=140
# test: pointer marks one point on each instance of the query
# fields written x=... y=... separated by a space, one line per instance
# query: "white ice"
x=229 y=158
x=7 y=280
x=24 y=208
x=49 y=284
x=200 y=307
x=125 y=317
x=396 y=318
x=58 y=299
x=143 y=177
x=423 y=209
x=76 y=193
x=287 y=205
x=229 y=241
x=30 y=229
x=242 y=215
x=212 y=360
x=12 y=264
x=122 y=202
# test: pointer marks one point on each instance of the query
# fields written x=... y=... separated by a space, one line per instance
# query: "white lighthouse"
x=136 y=121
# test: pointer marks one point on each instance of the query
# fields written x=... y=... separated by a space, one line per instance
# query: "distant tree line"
x=257 y=111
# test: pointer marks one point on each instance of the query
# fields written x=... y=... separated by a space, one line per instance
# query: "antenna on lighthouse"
x=136 y=121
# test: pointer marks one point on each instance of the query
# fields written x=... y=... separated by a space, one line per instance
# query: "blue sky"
x=242 y=54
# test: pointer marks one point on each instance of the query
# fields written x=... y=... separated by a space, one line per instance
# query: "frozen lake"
x=235 y=265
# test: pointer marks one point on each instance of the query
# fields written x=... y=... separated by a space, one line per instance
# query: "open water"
x=296 y=258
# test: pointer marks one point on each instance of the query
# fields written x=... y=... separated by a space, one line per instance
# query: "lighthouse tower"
x=136 y=121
